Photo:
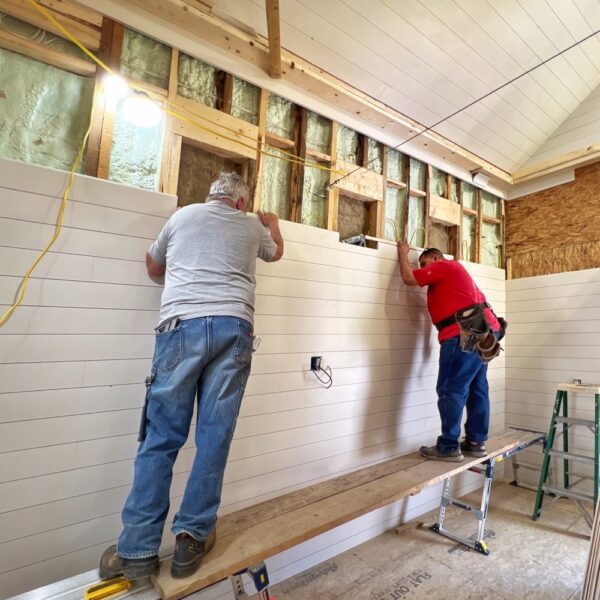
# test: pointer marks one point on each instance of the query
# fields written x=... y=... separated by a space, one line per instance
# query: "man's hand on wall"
x=268 y=218
x=403 y=249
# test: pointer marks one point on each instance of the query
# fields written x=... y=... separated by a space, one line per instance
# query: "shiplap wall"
x=554 y=337
x=75 y=355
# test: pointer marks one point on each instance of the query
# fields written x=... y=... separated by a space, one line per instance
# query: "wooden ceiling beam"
x=273 y=28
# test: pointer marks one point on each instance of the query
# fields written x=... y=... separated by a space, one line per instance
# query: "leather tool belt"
x=476 y=335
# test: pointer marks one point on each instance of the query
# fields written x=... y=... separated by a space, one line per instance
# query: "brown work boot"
x=473 y=448
x=113 y=565
x=433 y=452
x=189 y=553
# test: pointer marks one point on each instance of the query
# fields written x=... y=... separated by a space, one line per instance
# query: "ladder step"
x=572 y=421
x=571 y=456
x=568 y=493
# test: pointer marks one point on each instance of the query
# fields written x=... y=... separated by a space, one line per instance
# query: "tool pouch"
x=488 y=347
x=142 y=431
x=476 y=335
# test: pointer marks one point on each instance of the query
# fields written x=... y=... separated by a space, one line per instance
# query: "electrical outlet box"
x=315 y=363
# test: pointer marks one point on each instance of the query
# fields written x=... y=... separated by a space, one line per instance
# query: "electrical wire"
x=393 y=224
x=327 y=371
x=415 y=233
x=472 y=103
x=59 y=222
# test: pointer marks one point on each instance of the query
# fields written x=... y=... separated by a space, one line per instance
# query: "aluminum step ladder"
x=487 y=469
x=569 y=489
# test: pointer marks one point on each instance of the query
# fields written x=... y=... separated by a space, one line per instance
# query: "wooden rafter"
x=274 y=38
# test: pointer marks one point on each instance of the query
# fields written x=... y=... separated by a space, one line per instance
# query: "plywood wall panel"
x=556 y=230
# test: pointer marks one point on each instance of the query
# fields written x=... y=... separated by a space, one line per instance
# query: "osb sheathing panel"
x=439 y=237
x=353 y=217
x=574 y=257
x=558 y=229
x=563 y=215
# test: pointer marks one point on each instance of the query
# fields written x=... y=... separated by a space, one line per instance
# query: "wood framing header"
x=442 y=210
x=362 y=184
x=218 y=131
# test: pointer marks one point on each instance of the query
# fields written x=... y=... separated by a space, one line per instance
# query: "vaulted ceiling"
x=429 y=58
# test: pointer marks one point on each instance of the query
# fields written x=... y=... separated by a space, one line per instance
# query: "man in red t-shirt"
x=462 y=378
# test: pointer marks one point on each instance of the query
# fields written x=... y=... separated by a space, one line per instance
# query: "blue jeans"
x=208 y=358
x=462 y=382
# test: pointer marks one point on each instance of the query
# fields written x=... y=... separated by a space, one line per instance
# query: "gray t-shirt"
x=210 y=251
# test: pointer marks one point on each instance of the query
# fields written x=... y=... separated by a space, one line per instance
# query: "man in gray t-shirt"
x=210 y=252
x=203 y=350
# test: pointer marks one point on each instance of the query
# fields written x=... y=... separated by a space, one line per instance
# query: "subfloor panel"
x=543 y=560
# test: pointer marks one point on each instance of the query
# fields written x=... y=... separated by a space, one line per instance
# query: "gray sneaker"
x=433 y=452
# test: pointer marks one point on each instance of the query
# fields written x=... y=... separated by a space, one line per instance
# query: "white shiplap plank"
x=27 y=235
x=554 y=280
x=57 y=320
x=16 y=261
x=46 y=404
x=65 y=348
x=24 y=206
x=50 y=292
x=45 y=181
x=581 y=301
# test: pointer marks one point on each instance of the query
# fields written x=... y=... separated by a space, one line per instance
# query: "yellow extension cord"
x=289 y=157
x=61 y=214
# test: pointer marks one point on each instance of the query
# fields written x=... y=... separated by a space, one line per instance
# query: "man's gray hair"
x=229 y=185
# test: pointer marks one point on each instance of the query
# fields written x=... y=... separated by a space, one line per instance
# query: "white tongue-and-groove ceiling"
x=429 y=58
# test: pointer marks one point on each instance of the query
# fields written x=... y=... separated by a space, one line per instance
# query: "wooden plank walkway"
x=250 y=535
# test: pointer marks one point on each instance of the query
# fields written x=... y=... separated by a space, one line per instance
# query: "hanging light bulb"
x=115 y=87
x=140 y=111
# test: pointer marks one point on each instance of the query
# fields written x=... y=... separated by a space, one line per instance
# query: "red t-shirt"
x=450 y=288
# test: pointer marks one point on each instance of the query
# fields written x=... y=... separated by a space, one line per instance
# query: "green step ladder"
x=569 y=489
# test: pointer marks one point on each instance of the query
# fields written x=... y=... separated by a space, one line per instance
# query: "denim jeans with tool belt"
x=462 y=382
x=207 y=358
